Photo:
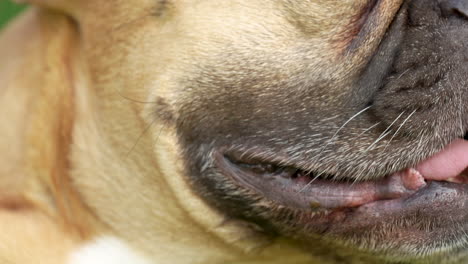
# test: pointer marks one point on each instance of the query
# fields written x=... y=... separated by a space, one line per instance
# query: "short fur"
x=112 y=111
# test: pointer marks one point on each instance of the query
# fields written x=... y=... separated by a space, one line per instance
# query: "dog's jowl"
x=235 y=131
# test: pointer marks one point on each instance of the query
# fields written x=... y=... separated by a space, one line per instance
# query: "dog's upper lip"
x=304 y=193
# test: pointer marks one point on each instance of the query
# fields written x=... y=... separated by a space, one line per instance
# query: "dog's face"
x=295 y=115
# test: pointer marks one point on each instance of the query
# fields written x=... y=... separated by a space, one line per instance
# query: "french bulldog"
x=236 y=131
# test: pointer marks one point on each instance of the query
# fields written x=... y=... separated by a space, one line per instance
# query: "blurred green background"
x=8 y=10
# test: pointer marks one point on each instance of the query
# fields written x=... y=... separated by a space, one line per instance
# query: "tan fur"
x=80 y=157
x=40 y=208
x=38 y=198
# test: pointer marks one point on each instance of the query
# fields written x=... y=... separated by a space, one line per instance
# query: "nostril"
x=454 y=8
x=465 y=137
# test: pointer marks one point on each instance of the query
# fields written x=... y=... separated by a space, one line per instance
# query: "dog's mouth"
x=438 y=183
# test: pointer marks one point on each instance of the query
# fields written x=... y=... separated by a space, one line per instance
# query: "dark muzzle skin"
x=406 y=103
x=454 y=8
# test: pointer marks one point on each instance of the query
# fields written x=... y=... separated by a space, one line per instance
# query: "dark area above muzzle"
x=428 y=74
x=454 y=8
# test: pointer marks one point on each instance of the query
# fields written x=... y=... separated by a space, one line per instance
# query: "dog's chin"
x=423 y=206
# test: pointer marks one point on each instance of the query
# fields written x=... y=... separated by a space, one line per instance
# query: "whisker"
x=311 y=181
x=133 y=100
x=341 y=128
x=399 y=128
x=349 y=120
x=401 y=75
x=385 y=133
x=141 y=136
x=367 y=129
x=334 y=136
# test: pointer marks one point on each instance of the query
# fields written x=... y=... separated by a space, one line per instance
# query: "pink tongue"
x=446 y=164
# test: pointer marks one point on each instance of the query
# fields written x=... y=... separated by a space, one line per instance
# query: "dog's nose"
x=454 y=8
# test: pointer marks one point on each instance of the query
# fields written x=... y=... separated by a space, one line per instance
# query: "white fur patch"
x=106 y=250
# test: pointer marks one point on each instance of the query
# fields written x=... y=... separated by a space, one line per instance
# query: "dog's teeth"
x=412 y=179
x=462 y=178
x=454 y=180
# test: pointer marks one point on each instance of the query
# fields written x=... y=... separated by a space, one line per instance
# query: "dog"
x=240 y=131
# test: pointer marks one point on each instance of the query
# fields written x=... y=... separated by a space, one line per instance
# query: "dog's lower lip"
x=443 y=202
x=296 y=193
x=296 y=189
x=292 y=188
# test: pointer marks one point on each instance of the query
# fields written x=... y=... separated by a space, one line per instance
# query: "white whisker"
x=399 y=128
x=385 y=133
x=349 y=120
x=341 y=128
x=367 y=129
x=310 y=182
